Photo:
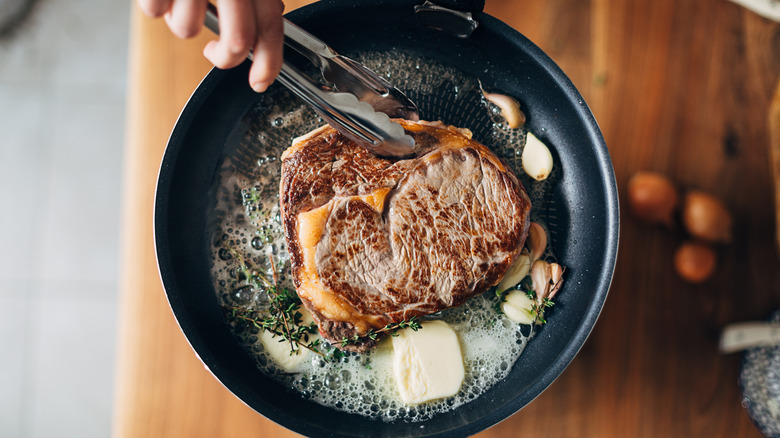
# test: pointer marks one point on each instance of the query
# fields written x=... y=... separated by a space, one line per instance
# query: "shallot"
x=652 y=198
x=695 y=262
x=706 y=217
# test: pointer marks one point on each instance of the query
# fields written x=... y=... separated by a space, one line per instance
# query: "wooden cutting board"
x=680 y=87
x=774 y=154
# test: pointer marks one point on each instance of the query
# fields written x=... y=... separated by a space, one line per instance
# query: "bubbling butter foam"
x=246 y=227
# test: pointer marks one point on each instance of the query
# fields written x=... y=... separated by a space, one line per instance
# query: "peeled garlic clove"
x=518 y=307
x=537 y=159
x=510 y=109
x=537 y=241
x=516 y=272
x=556 y=279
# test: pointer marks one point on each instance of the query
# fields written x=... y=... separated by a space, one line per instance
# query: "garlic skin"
x=556 y=279
x=510 y=109
x=540 y=275
x=547 y=279
x=537 y=159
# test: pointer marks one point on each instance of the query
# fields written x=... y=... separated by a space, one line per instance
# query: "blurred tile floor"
x=62 y=106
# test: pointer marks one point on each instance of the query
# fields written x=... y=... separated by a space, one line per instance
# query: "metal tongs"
x=357 y=102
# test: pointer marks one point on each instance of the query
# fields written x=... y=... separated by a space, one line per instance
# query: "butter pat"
x=278 y=348
x=427 y=363
x=518 y=307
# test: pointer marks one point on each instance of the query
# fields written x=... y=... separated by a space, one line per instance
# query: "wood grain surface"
x=679 y=87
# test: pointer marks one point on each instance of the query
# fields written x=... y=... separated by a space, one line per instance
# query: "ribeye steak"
x=375 y=241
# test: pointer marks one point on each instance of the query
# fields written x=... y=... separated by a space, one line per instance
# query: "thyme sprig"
x=537 y=309
x=284 y=318
x=391 y=329
x=289 y=327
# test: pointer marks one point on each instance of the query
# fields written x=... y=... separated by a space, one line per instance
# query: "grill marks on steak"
x=375 y=241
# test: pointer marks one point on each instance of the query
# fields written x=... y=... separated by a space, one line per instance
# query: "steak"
x=375 y=241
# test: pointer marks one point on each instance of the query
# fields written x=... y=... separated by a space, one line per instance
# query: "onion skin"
x=652 y=198
x=695 y=262
x=705 y=217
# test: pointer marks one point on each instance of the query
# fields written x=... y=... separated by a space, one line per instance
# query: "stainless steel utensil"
x=358 y=103
x=744 y=335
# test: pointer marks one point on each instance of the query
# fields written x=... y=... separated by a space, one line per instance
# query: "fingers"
x=244 y=25
x=185 y=17
x=237 y=33
x=154 y=8
x=268 y=48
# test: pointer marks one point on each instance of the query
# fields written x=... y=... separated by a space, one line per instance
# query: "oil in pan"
x=246 y=228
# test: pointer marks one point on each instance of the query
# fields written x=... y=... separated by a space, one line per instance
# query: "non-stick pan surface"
x=586 y=216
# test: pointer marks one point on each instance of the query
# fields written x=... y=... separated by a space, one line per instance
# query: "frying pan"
x=585 y=221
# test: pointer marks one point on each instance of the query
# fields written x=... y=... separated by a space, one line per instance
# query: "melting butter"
x=427 y=363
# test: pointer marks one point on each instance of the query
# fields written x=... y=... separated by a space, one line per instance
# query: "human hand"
x=244 y=25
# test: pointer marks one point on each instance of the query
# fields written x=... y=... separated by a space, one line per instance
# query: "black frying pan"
x=586 y=219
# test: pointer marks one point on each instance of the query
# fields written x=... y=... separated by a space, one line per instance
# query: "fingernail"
x=209 y=49
x=260 y=87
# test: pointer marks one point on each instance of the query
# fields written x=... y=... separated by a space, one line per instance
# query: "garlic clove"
x=516 y=272
x=537 y=241
x=537 y=159
x=556 y=279
x=510 y=109
x=540 y=276
x=518 y=307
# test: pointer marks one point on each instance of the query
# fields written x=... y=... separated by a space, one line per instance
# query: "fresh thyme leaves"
x=538 y=309
x=391 y=329
x=289 y=327
x=501 y=296
x=283 y=317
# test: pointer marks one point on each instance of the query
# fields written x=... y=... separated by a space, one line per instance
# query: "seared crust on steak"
x=375 y=241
